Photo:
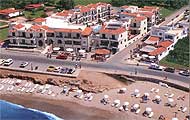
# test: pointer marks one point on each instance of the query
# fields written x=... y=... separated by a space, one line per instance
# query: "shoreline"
x=64 y=109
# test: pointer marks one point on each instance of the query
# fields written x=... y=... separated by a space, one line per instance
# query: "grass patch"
x=2 y=23
x=166 y=12
x=86 y=2
x=3 y=34
x=34 y=14
x=179 y=57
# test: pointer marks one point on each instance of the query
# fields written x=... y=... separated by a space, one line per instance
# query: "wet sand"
x=63 y=109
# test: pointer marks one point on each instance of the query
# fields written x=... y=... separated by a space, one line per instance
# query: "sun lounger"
x=137 y=95
x=90 y=98
x=12 y=87
x=35 y=86
x=28 y=90
x=6 y=81
x=184 y=109
x=29 y=84
x=151 y=114
x=12 y=82
x=152 y=90
x=137 y=111
x=32 y=90
x=49 y=92
x=3 y=81
x=171 y=95
x=1 y=88
x=8 y=88
x=26 y=84
x=43 y=91
x=22 y=89
x=53 y=95
x=19 y=89
x=157 y=90
x=9 y=82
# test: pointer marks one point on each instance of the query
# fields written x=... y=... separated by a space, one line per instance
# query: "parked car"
x=62 y=56
x=23 y=64
x=169 y=69
x=8 y=62
x=155 y=67
x=57 y=69
x=2 y=61
x=51 y=68
x=184 y=72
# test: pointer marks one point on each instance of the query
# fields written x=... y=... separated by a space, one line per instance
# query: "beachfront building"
x=86 y=14
x=9 y=13
x=113 y=36
x=138 y=24
x=129 y=9
x=29 y=35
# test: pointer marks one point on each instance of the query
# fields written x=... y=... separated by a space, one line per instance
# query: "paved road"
x=43 y=62
x=172 y=16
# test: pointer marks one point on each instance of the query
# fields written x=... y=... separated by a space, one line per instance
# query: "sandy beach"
x=72 y=108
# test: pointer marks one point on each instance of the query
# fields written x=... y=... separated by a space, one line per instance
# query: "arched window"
x=59 y=42
x=40 y=43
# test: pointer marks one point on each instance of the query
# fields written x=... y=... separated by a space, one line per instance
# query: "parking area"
x=40 y=67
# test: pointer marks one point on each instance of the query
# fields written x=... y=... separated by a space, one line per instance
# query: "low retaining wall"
x=74 y=75
x=154 y=80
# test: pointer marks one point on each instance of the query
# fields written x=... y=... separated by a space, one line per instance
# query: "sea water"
x=11 y=111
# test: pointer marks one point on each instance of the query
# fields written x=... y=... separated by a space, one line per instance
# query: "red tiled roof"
x=151 y=7
x=157 y=51
x=8 y=11
x=35 y=27
x=112 y=31
x=64 y=13
x=39 y=20
x=147 y=14
x=69 y=30
x=102 y=51
x=139 y=18
x=152 y=38
x=87 y=31
x=19 y=26
x=130 y=14
x=165 y=44
x=125 y=6
x=33 y=6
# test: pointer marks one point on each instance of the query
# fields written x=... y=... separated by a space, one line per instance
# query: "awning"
x=82 y=51
x=56 y=48
x=144 y=55
x=151 y=57
x=69 y=50
x=102 y=52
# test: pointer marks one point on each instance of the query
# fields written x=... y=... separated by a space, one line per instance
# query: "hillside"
x=179 y=57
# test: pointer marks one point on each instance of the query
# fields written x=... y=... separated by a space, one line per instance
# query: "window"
x=31 y=35
x=68 y=42
x=160 y=34
x=77 y=42
x=13 y=34
x=144 y=28
x=103 y=36
x=104 y=42
x=121 y=35
x=78 y=35
x=23 y=41
x=125 y=40
x=41 y=35
x=114 y=44
x=59 y=42
x=113 y=37
x=32 y=42
x=121 y=42
x=14 y=41
x=84 y=42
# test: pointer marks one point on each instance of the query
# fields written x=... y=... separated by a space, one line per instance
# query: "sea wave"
x=11 y=111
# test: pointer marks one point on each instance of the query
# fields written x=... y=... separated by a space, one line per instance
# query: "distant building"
x=9 y=13
x=33 y=6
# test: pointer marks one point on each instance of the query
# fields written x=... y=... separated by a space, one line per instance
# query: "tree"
x=65 y=4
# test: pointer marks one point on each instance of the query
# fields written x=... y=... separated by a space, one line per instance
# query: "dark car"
x=169 y=69
x=62 y=56
x=185 y=73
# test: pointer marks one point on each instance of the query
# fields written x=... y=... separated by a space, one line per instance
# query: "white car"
x=2 y=61
x=23 y=64
x=156 y=67
x=8 y=62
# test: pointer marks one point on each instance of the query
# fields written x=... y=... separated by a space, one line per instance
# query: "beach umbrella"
x=147 y=94
x=123 y=89
x=174 y=118
x=106 y=96
x=136 y=91
x=82 y=51
x=170 y=100
x=69 y=50
x=157 y=97
x=56 y=48
x=135 y=106
x=148 y=109
x=117 y=101
x=126 y=103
